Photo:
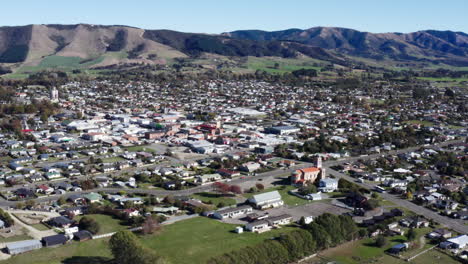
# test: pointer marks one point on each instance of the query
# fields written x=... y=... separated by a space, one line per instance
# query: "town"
x=86 y=159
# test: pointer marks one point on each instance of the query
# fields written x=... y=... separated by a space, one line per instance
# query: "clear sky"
x=216 y=16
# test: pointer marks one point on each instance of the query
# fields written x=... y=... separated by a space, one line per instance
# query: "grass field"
x=364 y=251
x=40 y=227
x=284 y=65
x=140 y=148
x=198 y=239
x=420 y=122
x=55 y=62
x=112 y=159
x=15 y=238
x=444 y=79
x=214 y=198
x=107 y=223
x=186 y=242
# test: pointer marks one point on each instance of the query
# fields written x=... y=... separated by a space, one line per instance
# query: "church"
x=308 y=175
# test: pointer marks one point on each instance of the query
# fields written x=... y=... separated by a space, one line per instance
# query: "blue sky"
x=215 y=16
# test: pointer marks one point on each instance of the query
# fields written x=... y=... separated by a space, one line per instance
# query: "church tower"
x=54 y=95
x=318 y=163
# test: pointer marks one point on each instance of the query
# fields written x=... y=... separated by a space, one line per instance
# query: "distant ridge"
x=99 y=45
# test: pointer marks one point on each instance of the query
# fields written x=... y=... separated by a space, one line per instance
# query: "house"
x=52 y=175
x=250 y=166
x=257 y=226
x=36 y=178
x=92 y=197
x=267 y=200
x=228 y=173
x=232 y=212
x=76 y=210
x=23 y=193
x=208 y=178
x=439 y=233
x=132 y=200
x=44 y=189
x=15 y=166
x=55 y=240
x=131 y=212
x=279 y=220
x=60 y=221
x=328 y=185
x=76 y=199
x=165 y=210
x=14 y=248
x=82 y=235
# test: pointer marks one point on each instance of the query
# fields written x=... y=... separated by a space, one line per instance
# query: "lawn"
x=14 y=238
x=419 y=122
x=186 y=242
x=444 y=79
x=214 y=198
x=40 y=227
x=140 y=148
x=112 y=159
x=284 y=65
x=364 y=251
x=198 y=239
x=88 y=252
x=107 y=223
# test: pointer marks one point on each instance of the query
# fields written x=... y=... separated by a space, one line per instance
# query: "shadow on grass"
x=399 y=240
x=370 y=244
x=87 y=260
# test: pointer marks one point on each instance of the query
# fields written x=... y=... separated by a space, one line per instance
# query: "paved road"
x=269 y=176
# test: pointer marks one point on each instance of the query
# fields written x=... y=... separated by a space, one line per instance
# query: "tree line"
x=326 y=231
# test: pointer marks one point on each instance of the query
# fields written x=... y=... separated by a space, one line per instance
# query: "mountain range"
x=98 y=45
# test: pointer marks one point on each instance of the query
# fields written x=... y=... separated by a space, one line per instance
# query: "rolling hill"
x=38 y=47
x=430 y=45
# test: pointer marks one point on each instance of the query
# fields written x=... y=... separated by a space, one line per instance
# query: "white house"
x=328 y=185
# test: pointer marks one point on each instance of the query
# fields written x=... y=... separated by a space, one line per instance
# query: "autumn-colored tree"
x=150 y=225
x=235 y=189
x=222 y=188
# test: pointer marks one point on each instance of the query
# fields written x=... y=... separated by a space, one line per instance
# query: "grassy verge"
x=215 y=198
x=14 y=238
x=40 y=227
